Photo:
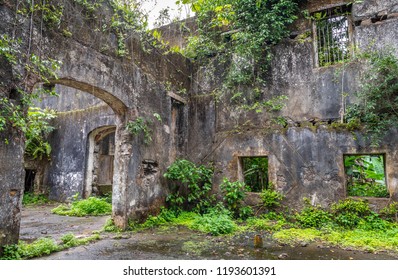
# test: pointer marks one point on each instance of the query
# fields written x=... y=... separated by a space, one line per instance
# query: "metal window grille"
x=332 y=36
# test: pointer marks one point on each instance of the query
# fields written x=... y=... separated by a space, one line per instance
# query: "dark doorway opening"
x=30 y=175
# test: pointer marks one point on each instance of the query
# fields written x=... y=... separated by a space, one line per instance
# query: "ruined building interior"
x=98 y=93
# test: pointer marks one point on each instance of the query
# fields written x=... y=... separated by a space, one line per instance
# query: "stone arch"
x=118 y=106
x=123 y=145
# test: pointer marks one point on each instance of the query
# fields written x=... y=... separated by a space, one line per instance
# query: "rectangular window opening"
x=255 y=172
x=365 y=175
x=332 y=30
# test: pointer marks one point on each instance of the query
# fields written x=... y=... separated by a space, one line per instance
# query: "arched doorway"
x=100 y=161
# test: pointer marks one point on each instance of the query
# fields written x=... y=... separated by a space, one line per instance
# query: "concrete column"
x=123 y=153
x=11 y=188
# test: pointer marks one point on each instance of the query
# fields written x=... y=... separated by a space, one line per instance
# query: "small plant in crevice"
x=190 y=186
x=141 y=126
x=91 y=206
x=234 y=195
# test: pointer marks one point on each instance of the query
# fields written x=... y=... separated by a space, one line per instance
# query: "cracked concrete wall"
x=306 y=158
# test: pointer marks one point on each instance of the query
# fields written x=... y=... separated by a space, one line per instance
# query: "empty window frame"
x=255 y=172
x=365 y=175
x=332 y=30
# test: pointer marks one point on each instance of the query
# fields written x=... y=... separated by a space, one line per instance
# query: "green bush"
x=234 y=194
x=374 y=222
x=271 y=198
x=190 y=188
x=33 y=199
x=11 y=252
x=390 y=212
x=313 y=217
x=37 y=131
x=348 y=213
x=215 y=223
x=91 y=206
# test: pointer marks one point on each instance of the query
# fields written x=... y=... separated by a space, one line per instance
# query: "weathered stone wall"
x=11 y=159
x=11 y=187
x=306 y=157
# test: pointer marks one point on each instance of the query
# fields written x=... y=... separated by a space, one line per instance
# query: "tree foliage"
x=365 y=175
x=377 y=104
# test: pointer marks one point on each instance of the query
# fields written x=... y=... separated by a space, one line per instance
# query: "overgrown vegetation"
x=38 y=129
x=255 y=172
x=271 y=198
x=241 y=33
x=18 y=97
x=91 y=206
x=376 y=107
x=33 y=199
x=234 y=195
x=190 y=186
x=44 y=246
x=365 y=175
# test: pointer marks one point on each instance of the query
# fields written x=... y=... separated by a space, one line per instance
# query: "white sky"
x=153 y=8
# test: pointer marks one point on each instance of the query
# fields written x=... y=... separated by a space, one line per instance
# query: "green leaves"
x=191 y=186
x=377 y=104
x=365 y=175
x=91 y=206
x=37 y=131
x=141 y=126
x=234 y=195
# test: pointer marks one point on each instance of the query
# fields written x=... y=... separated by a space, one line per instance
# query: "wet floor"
x=38 y=221
x=170 y=242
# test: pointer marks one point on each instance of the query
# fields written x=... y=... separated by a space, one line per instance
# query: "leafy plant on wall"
x=38 y=129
